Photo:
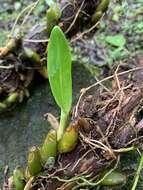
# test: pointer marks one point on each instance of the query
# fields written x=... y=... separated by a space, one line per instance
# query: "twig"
x=75 y=18
x=6 y=67
x=86 y=31
x=116 y=77
x=36 y=41
x=77 y=162
x=102 y=85
x=134 y=140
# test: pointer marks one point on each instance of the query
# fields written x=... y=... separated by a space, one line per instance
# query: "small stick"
x=6 y=67
x=86 y=31
x=36 y=41
x=76 y=16
x=102 y=85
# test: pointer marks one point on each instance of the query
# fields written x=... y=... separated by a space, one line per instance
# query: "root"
x=75 y=18
x=31 y=7
x=85 y=90
x=138 y=173
x=80 y=36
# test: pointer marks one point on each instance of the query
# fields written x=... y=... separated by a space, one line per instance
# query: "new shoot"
x=59 y=73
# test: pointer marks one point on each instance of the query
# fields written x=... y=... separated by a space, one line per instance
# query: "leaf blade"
x=59 y=69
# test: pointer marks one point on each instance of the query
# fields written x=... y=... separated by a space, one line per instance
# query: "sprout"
x=18 y=178
x=34 y=161
x=53 y=15
x=49 y=147
x=59 y=72
x=12 y=98
x=69 y=140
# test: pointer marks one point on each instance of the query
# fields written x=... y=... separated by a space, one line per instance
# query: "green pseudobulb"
x=18 y=178
x=49 y=147
x=69 y=139
x=34 y=161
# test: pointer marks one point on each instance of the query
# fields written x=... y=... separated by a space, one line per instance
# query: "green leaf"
x=59 y=69
x=117 y=40
x=114 y=178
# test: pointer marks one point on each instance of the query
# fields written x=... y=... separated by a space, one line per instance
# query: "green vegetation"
x=119 y=44
x=138 y=173
x=49 y=147
x=34 y=161
x=53 y=14
x=61 y=141
x=59 y=73
x=116 y=40
x=18 y=178
x=69 y=140
x=124 y=21
x=114 y=178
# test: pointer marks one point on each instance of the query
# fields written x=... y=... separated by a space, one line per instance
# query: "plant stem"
x=63 y=121
x=138 y=173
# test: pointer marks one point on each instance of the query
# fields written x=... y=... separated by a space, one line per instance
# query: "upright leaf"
x=59 y=69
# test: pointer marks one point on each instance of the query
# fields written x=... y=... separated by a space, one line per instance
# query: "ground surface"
x=119 y=40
